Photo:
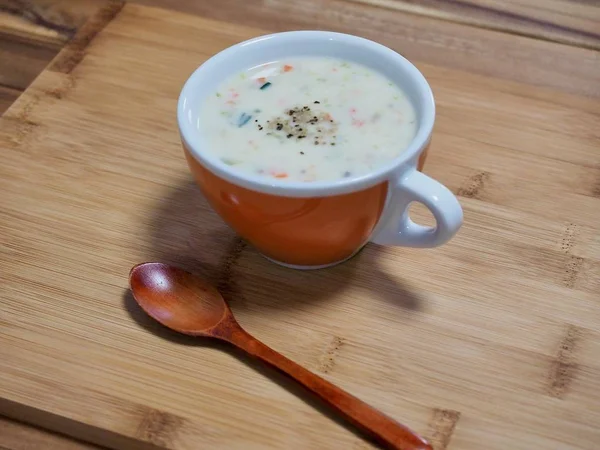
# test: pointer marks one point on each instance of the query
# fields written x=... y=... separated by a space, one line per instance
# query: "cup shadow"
x=186 y=232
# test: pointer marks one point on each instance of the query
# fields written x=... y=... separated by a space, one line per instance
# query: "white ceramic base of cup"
x=324 y=266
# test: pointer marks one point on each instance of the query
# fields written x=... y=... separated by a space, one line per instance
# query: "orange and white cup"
x=317 y=224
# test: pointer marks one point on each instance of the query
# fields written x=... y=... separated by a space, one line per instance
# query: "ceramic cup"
x=318 y=224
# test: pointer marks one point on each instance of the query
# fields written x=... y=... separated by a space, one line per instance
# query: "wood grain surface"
x=564 y=21
x=19 y=436
x=491 y=340
x=31 y=34
x=425 y=39
x=32 y=31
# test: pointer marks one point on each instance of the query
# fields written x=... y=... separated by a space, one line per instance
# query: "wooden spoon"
x=189 y=305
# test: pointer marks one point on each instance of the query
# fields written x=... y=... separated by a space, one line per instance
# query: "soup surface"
x=307 y=119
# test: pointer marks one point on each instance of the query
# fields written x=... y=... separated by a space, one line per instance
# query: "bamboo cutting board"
x=492 y=341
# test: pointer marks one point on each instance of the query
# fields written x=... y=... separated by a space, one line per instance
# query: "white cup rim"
x=194 y=142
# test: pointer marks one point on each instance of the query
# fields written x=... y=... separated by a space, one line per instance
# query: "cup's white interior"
x=205 y=80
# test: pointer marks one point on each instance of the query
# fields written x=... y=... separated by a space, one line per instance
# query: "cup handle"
x=399 y=229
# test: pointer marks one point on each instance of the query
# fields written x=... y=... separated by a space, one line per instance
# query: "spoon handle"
x=378 y=426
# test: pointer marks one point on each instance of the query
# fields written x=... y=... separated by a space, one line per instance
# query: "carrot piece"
x=288 y=68
x=281 y=175
x=262 y=80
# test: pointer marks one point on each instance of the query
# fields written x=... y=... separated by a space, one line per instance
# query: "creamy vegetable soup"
x=308 y=119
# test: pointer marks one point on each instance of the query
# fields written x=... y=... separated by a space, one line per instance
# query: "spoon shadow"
x=149 y=324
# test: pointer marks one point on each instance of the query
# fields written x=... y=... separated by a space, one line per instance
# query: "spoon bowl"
x=184 y=303
x=189 y=305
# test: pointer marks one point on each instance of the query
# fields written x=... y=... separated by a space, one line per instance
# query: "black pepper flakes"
x=289 y=135
x=317 y=102
x=302 y=153
x=279 y=126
